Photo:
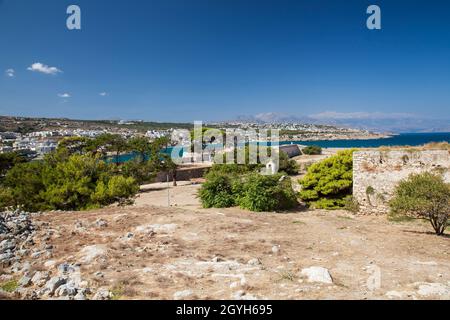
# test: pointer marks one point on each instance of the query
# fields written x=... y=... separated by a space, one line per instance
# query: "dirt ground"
x=152 y=251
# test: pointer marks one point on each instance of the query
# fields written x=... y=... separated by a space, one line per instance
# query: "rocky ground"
x=149 y=251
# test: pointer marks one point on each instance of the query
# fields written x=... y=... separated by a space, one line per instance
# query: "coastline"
x=336 y=137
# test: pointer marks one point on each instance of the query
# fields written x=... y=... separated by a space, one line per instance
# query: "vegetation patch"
x=328 y=184
x=312 y=150
x=9 y=286
x=424 y=196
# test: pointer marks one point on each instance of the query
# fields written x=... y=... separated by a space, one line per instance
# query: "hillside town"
x=37 y=137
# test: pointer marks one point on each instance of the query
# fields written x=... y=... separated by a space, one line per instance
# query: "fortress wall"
x=376 y=174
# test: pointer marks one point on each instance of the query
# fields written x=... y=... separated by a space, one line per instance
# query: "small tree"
x=328 y=183
x=425 y=196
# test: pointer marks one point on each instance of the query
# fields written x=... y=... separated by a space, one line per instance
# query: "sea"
x=404 y=139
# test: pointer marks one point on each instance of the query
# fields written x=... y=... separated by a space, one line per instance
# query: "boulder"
x=182 y=295
x=54 y=283
x=317 y=274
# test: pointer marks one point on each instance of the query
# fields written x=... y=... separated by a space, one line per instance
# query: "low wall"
x=184 y=173
x=377 y=173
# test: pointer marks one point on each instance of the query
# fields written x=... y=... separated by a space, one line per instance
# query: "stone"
x=158 y=228
x=102 y=294
x=317 y=274
x=254 y=262
x=276 y=249
x=182 y=295
x=24 y=281
x=100 y=223
x=36 y=255
x=54 y=283
x=65 y=290
x=394 y=294
x=90 y=253
x=66 y=268
x=40 y=278
x=433 y=289
x=80 y=296
x=7 y=245
x=6 y=257
x=49 y=263
x=374 y=170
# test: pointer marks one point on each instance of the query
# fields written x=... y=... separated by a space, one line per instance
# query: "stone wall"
x=376 y=174
x=184 y=173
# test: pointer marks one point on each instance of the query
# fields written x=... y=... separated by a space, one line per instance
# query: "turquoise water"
x=406 y=139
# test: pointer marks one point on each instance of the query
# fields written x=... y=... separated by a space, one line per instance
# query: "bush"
x=230 y=169
x=287 y=165
x=351 y=204
x=251 y=191
x=217 y=192
x=77 y=182
x=6 y=198
x=424 y=196
x=266 y=193
x=312 y=150
x=329 y=182
x=117 y=189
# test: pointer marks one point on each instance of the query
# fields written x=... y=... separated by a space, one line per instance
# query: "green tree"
x=108 y=142
x=9 y=160
x=24 y=183
x=425 y=196
x=328 y=183
x=61 y=182
x=75 y=145
x=141 y=145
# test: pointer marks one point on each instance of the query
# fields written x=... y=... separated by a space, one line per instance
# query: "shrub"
x=266 y=193
x=287 y=165
x=329 y=182
x=9 y=160
x=351 y=204
x=229 y=169
x=117 y=189
x=141 y=171
x=312 y=150
x=24 y=183
x=424 y=196
x=6 y=198
x=77 y=182
x=217 y=191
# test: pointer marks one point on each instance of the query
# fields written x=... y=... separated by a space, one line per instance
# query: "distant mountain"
x=376 y=122
x=272 y=117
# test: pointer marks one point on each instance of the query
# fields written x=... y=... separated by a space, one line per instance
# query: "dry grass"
x=428 y=146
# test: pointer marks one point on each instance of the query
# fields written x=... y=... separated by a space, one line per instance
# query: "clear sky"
x=188 y=60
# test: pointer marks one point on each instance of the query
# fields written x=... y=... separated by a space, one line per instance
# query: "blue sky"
x=170 y=60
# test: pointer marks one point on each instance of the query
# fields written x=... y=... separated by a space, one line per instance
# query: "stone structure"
x=292 y=150
x=376 y=173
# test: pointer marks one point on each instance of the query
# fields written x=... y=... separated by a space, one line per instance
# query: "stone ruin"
x=376 y=173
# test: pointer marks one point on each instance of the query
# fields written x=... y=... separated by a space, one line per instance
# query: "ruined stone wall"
x=377 y=173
